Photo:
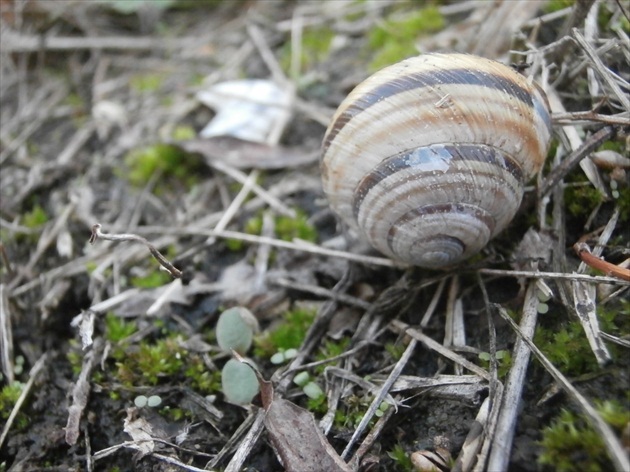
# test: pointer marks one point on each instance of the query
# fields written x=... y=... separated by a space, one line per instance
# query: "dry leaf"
x=140 y=431
x=298 y=441
x=295 y=435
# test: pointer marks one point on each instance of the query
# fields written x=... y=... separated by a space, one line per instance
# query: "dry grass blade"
x=616 y=451
x=80 y=393
x=605 y=73
x=510 y=402
x=300 y=246
x=573 y=159
x=431 y=344
x=33 y=374
x=554 y=275
x=474 y=439
x=6 y=337
x=244 y=439
x=380 y=396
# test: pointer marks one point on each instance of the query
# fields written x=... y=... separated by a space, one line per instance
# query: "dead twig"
x=399 y=326
x=573 y=159
x=98 y=234
x=379 y=397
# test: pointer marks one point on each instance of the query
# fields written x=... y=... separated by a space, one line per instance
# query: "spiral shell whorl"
x=428 y=158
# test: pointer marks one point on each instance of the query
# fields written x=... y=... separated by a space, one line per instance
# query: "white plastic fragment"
x=250 y=109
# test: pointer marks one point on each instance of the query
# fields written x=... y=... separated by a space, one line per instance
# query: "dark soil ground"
x=91 y=93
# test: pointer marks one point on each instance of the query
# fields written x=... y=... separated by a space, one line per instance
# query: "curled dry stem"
x=98 y=234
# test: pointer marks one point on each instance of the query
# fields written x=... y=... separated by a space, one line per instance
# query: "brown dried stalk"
x=595 y=262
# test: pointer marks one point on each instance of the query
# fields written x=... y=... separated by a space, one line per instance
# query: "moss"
x=571 y=444
x=117 y=328
x=395 y=350
x=352 y=410
x=9 y=396
x=36 y=218
x=201 y=379
x=171 y=161
x=401 y=459
x=567 y=347
x=154 y=361
x=149 y=362
x=315 y=48
x=288 y=335
x=317 y=405
x=153 y=279
x=146 y=82
x=582 y=199
x=175 y=414
x=288 y=228
x=556 y=5
x=394 y=39
x=329 y=350
x=623 y=200
x=183 y=132
x=75 y=358
x=504 y=361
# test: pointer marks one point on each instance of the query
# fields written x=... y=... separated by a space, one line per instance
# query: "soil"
x=87 y=84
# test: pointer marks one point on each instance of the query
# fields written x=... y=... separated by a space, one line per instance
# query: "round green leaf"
x=312 y=390
x=239 y=382
x=234 y=330
x=140 y=401
x=301 y=379
x=153 y=401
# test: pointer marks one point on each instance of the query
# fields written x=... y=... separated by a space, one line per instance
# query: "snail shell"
x=428 y=158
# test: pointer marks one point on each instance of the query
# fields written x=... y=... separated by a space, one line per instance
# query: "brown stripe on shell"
x=512 y=125
x=429 y=156
x=439 y=77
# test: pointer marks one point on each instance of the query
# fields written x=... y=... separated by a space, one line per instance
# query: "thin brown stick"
x=595 y=262
x=98 y=234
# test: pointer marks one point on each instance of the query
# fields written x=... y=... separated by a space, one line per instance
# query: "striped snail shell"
x=428 y=158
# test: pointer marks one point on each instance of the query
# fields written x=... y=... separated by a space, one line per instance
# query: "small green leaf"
x=153 y=401
x=312 y=390
x=238 y=382
x=277 y=358
x=301 y=379
x=140 y=401
x=234 y=330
